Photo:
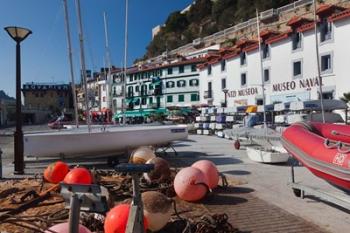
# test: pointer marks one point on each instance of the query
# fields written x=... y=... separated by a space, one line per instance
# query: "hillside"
x=4 y=96
x=204 y=18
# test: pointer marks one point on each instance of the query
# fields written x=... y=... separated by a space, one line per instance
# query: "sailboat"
x=97 y=141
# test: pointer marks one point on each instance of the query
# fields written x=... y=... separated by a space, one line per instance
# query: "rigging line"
x=44 y=49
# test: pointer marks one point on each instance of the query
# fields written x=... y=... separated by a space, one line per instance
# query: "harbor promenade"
x=260 y=201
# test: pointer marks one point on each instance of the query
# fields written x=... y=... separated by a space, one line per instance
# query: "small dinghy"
x=323 y=148
x=262 y=155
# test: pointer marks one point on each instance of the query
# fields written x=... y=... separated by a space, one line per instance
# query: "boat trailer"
x=302 y=191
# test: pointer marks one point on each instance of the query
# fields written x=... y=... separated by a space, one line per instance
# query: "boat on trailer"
x=323 y=148
x=264 y=155
x=99 y=141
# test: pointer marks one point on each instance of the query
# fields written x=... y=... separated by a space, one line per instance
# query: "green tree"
x=176 y=22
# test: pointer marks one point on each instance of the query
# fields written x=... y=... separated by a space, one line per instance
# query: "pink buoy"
x=190 y=184
x=210 y=172
x=64 y=228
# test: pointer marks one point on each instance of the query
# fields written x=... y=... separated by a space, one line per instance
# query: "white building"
x=289 y=64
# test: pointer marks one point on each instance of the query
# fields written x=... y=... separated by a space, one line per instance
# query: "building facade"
x=289 y=64
x=159 y=85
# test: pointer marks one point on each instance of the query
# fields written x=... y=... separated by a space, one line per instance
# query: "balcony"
x=208 y=94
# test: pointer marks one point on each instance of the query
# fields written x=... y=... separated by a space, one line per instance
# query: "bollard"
x=0 y=163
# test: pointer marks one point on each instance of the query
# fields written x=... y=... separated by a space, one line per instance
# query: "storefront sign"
x=45 y=87
x=243 y=92
x=292 y=85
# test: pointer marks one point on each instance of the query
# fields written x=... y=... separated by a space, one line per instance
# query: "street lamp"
x=18 y=34
x=225 y=91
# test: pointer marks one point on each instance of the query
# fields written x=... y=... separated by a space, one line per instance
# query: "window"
x=131 y=78
x=243 y=57
x=104 y=99
x=170 y=70
x=259 y=102
x=223 y=83
x=193 y=68
x=209 y=69
x=325 y=30
x=170 y=84
x=137 y=88
x=194 y=82
x=169 y=99
x=297 y=69
x=144 y=101
x=181 y=83
x=150 y=100
x=194 y=97
x=150 y=86
x=266 y=51
x=104 y=87
x=266 y=75
x=326 y=63
x=223 y=65
x=181 y=98
x=243 y=79
x=181 y=69
x=327 y=95
x=296 y=40
x=130 y=91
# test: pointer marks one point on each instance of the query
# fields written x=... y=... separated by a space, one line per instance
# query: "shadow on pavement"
x=237 y=172
x=222 y=199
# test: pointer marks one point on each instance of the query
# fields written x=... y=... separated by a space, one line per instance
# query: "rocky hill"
x=4 y=96
x=204 y=18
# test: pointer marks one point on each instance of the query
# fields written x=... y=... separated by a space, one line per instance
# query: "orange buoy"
x=142 y=154
x=161 y=171
x=79 y=175
x=117 y=219
x=64 y=228
x=210 y=172
x=56 y=172
x=190 y=184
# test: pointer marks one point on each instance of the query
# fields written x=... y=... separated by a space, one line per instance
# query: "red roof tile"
x=326 y=9
x=306 y=27
x=278 y=38
x=339 y=16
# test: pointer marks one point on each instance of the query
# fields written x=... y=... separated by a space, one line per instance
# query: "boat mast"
x=108 y=60
x=125 y=60
x=71 y=63
x=82 y=63
x=318 y=62
x=261 y=68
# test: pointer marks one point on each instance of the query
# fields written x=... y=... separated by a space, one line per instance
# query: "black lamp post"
x=18 y=34
x=225 y=92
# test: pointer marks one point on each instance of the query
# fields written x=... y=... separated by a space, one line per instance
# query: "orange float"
x=56 y=172
x=79 y=175
x=117 y=219
x=142 y=154
x=210 y=172
x=190 y=184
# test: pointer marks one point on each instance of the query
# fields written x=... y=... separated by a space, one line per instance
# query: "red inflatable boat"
x=323 y=148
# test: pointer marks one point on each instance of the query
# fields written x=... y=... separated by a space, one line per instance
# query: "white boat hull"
x=262 y=156
x=111 y=140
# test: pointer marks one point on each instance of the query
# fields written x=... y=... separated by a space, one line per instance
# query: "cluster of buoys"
x=190 y=184
x=193 y=183
x=59 y=171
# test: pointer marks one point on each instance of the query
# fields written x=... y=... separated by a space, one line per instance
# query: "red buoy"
x=56 y=172
x=237 y=145
x=79 y=175
x=210 y=172
x=117 y=219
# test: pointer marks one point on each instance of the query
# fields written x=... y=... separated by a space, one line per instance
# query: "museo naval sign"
x=292 y=85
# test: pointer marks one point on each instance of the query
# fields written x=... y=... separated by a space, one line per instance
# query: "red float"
x=117 y=219
x=79 y=175
x=56 y=172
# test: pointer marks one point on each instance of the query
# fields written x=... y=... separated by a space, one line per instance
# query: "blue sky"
x=44 y=53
